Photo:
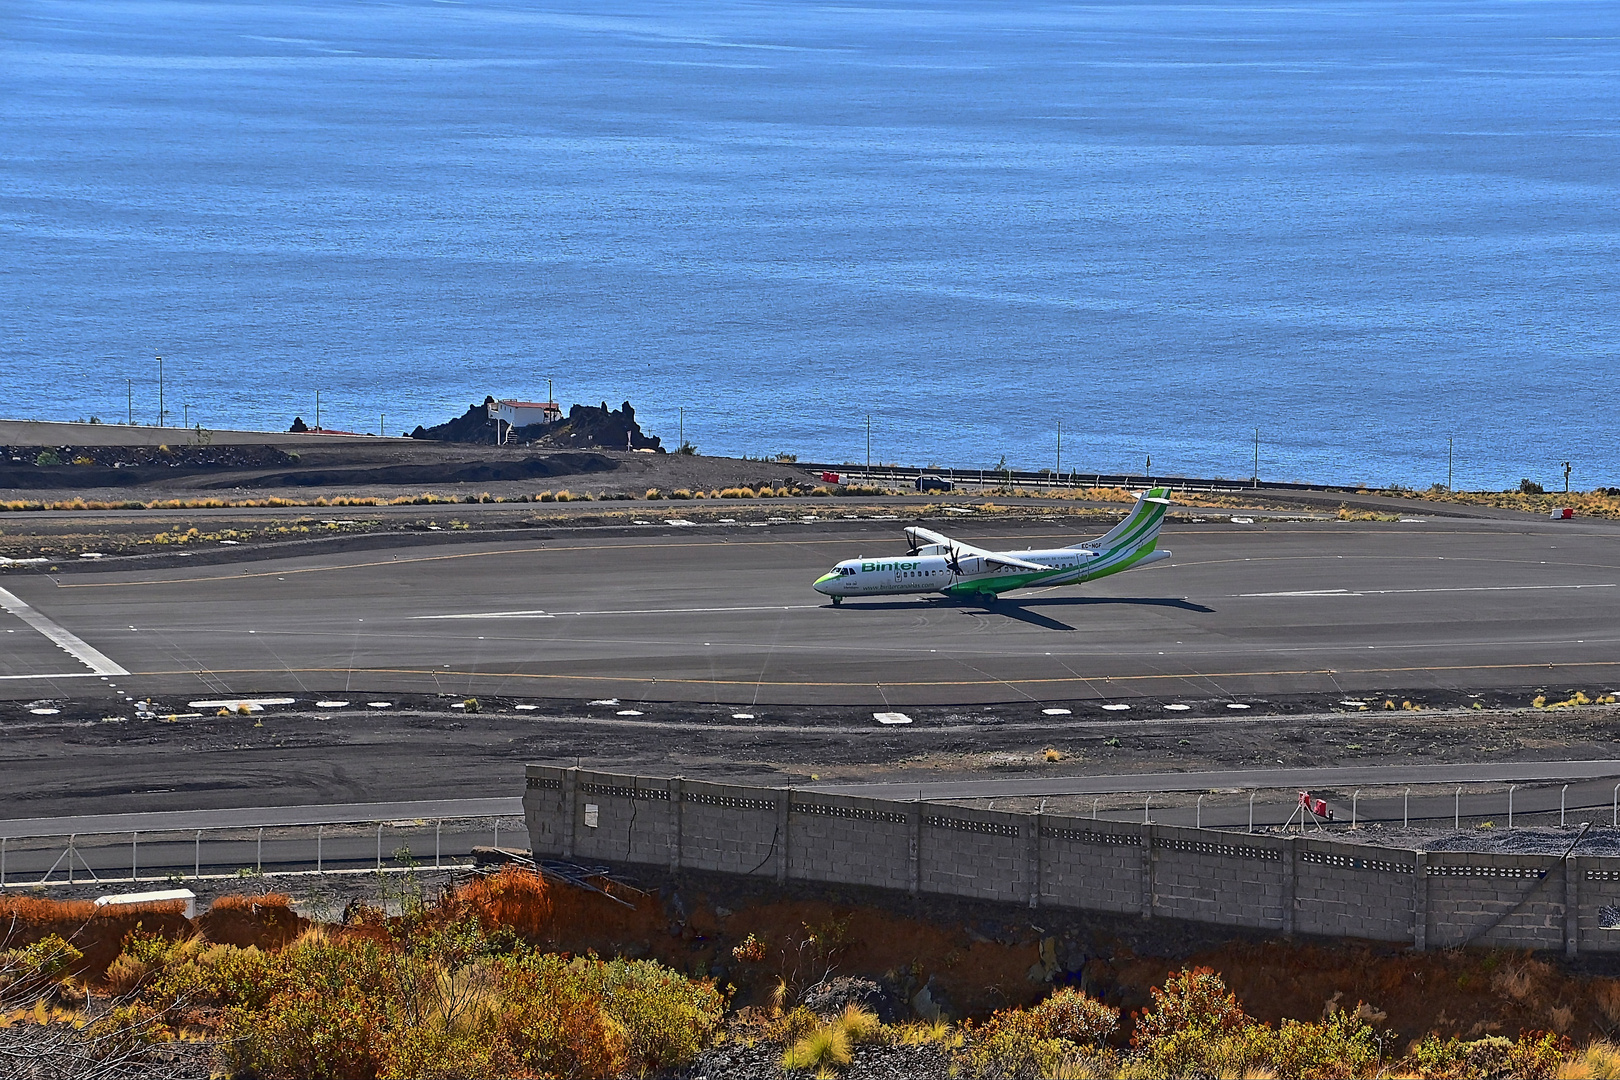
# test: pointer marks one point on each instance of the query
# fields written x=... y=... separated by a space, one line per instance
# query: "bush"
x=1077 y=1017
x=1530 y=487
x=47 y=459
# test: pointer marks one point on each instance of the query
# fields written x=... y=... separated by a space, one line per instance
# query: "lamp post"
x=185 y=414
x=1567 y=469
x=1059 y=448
x=681 y=429
x=317 y=410
x=869 y=446
x=1450 y=459
x=160 y=391
x=1257 y=457
x=129 y=402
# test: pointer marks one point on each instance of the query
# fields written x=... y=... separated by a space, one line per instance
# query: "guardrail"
x=269 y=841
x=983 y=478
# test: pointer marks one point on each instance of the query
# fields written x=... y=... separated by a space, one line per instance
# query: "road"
x=727 y=616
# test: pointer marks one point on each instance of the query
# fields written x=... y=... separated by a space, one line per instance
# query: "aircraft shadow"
x=1019 y=610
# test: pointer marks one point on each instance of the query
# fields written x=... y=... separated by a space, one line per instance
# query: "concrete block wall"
x=1511 y=901
x=852 y=841
x=1222 y=878
x=622 y=818
x=1597 y=921
x=731 y=829
x=979 y=853
x=1096 y=865
x=1353 y=891
x=1286 y=884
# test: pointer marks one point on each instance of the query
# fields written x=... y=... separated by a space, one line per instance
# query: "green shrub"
x=47 y=459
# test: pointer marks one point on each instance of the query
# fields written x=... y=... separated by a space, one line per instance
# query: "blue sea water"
x=1360 y=226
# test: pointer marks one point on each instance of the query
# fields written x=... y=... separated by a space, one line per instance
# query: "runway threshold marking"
x=1396 y=592
x=1057 y=681
x=60 y=636
x=538 y=614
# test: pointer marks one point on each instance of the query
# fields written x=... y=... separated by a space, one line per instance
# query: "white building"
x=524 y=413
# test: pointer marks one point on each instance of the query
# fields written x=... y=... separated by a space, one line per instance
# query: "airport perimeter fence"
x=1310 y=881
x=245 y=850
x=909 y=476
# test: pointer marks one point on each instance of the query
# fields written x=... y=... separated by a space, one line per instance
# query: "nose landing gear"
x=837 y=600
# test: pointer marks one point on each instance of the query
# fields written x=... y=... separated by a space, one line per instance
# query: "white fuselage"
x=932 y=573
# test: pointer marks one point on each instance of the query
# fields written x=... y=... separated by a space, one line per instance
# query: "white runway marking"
x=63 y=638
x=53 y=675
x=1394 y=592
x=539 y=614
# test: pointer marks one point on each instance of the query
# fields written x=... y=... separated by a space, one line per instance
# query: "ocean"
x=1373 y=232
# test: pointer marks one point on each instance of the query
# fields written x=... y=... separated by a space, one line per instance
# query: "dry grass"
x=241 y=902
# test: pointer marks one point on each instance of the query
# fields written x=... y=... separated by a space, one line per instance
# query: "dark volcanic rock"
x=585 y=427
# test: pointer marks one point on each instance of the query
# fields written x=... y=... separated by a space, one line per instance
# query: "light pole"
x=681 y=428
x=1060 y=448
x=129 y=402
x=382 y=423
x=317 y=410
x=869 y=446
x=160 y=391
x=185 y=414
x=1567 y=468
x=1450 y=457
x=1257 y=457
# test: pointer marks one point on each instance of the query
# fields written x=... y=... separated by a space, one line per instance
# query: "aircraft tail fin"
x=1141 y=526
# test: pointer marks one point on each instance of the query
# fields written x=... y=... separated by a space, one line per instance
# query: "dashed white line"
x=1394 y=592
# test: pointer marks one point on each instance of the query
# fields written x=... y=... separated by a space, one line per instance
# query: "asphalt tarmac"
x=726 y=614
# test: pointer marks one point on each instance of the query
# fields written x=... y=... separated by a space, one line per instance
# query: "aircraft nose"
x=823 y=584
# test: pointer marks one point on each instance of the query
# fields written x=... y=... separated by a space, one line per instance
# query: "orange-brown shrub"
x=239 y=902
x=513 y=897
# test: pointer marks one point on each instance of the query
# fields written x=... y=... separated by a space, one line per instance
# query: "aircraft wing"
x=1007 y=560
x=920 y=537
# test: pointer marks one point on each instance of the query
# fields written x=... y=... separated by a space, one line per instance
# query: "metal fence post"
x=134 y=857
x=258 y=855
x=1456 y=810
x=320 y=831
x=497 y=833
x=379 y=847
x=71 y=838
x=437 y=827
x=1561 y=793
x=3 y=840
x=1251 y=811
x=1406 y=803
x=1145 y=804
x=196 y=869
x=1353 y=800
x=1511 y=790
x=1198 y=819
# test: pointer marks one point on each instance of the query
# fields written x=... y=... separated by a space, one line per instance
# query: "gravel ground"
x=737 y=1061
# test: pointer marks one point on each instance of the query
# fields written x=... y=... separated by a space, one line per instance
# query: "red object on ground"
x=830 y=477
x=1563 y=513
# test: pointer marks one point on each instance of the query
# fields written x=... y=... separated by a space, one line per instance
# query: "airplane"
x=939 y=565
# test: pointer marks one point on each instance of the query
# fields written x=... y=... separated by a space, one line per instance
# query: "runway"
x=726 y=614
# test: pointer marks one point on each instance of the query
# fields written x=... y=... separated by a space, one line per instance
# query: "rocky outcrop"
x=593 y=427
